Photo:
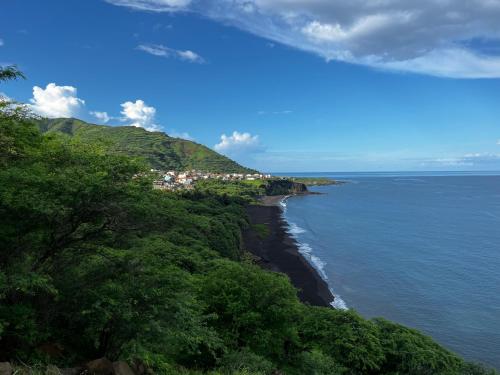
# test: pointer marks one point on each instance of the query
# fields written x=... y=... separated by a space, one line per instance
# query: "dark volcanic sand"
x=279 y=252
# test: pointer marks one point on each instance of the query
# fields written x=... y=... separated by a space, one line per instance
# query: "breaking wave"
x=307 y=252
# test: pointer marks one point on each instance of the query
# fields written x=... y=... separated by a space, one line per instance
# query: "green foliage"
x=10 y=72
x=18 y=136
x=245 y=361
x=253 y=308
x=346 y=337
x=242 y=191
x=284 y=187
x=90 y=247
x=315 y=362
x=476 y=369
x=409 y=352
x=158 y=149
x=262 y=230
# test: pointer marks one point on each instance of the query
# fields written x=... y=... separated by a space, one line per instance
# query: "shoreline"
x=278 y=251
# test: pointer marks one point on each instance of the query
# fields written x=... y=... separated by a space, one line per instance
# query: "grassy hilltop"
x=157 y=148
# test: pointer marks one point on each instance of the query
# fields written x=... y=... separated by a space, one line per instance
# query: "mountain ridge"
x=159 y=149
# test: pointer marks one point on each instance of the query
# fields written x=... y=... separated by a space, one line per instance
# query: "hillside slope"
x=160 y=150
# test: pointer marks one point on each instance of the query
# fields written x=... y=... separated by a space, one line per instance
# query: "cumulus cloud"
x=140 y=115
x=56 y=101
x=238 y=143
x=447 y=38
x=162 y=51
x=101 y=116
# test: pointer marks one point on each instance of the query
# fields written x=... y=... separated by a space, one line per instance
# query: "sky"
x=278 y=85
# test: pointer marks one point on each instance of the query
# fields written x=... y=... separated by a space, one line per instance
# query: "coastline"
x=278 y=251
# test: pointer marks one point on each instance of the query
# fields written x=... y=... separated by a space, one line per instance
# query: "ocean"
x=421 y=250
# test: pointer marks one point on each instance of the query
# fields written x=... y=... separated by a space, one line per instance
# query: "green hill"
x=160 y=150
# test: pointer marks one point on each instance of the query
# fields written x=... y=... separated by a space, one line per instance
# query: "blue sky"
x=277 y=85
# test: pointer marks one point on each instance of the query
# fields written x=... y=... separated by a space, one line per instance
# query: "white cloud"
x=101 y=116
x=153 y=5
x=190 y=56
x=451 y=162
x=140 y=115
x=162 y=51
x=285 y=112
x=155 y=50
x=360 y=28
x=238 y=143
x=482 y=157
x=56 y=101
x=478 y=159
x=498 y=142
x=458 y=63
x=446 y=38
x=183 y=135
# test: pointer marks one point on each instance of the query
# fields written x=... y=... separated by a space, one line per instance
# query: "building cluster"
x=173 y=180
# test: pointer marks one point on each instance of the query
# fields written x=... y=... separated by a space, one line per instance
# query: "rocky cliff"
x=285 y=187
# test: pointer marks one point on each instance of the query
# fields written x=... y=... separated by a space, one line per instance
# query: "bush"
x=253 y=308
x=315 y=362
x=348 y=339
x=245 y=360
x=407 y=351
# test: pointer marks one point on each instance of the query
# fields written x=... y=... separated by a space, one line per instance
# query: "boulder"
x=101 y=366
x=5 y=368
x=139 y=368
x=122 y=368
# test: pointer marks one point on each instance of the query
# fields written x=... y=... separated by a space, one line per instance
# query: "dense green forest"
x=94 y=263
x=156 y=148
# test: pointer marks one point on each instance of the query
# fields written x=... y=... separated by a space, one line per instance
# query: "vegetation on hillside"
x=249 y=190
x=94 y=262
x=158 y=149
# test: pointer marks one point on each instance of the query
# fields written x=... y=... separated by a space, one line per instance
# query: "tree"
x=10 y=72
x=407 y=351
x=347 y=338
x=254 y=308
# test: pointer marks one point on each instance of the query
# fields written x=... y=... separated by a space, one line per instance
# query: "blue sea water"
x=423 y=251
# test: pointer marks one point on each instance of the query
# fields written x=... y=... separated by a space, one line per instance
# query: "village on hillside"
x=174 y=180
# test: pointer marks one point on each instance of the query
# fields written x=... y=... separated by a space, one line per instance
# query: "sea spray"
x=307 y=252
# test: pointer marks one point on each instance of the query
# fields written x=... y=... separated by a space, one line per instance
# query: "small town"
x=174 y=180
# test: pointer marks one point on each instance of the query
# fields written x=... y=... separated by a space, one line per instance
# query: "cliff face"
x=285 y=187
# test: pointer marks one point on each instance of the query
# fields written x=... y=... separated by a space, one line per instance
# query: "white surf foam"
x=307 y=252
x=338 y=302
x=294 y=229
x=283 y=203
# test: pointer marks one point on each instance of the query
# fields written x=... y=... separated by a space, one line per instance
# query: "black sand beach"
x=277 y=251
